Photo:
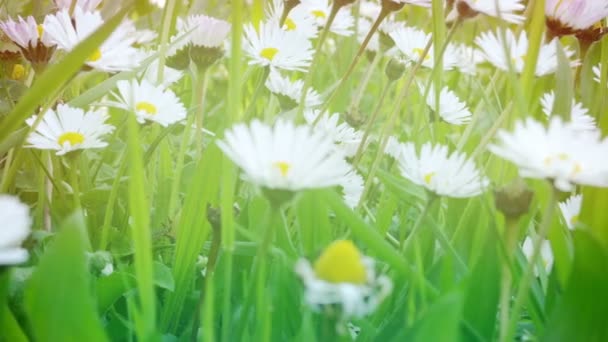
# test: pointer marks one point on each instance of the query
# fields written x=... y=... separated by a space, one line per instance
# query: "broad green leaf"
x=51 y=81
x=58 y=300
x=580 y=314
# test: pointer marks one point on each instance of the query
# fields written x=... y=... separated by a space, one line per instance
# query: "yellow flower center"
x=290 y=25
x=429 y=177
x=74 y=138
x=146 y=107
x=319 y=14
x=95 y=56
x=283 y=167
x=577 y=169
x=18 y=72
x=574 y=220
x=269 y=53
x=40 y=30
x=341 y=262
x=420 y=52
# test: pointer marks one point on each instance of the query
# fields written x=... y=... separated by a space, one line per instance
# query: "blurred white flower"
x=289 y=92
x=345 y=138
x=411 y=42
x=300 y=22
x=115 y=54
x=15 y=228
x=352 y=189
x=451 y=175
x=571 y=209
x=170 y=75
x=493 y=47
x=451 y=109
x=284 y=156
x=108 y=269
x=468 y=58
x=560 y=153
x=345 y=278
x=546 y=254
x=579 y=116
x=149 y=102
x=319 y=11
x=274 y=47
x=565 y=17
x=503 y=9
x=85 y=5
x=68 y=129
x=31 y=38
x=199 y=30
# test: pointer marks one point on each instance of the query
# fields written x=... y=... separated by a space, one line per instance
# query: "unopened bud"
x=513 y=200
x=394 y=69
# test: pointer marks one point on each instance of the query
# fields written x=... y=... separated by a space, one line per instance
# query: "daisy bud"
x=513 y=200
x=204 y=57
x=394 y=69
x=180 y=60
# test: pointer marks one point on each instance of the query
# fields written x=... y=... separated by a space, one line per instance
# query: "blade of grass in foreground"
x=140 y=231
x=56 y=76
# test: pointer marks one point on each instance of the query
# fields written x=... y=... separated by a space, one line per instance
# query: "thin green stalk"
x=485 y=140
x=179 y=166
x=524 y=284
x=315 y=59
x=354 y=104
x=168 y=18
x=75 y=180
x=370 y=123
x=418 y=224
x=381 y=16
x=537 y=27
x=235 y=64
x=228 y=256
x=257 y=92
x=200 y=109
x=510 y=240
x=108 y=213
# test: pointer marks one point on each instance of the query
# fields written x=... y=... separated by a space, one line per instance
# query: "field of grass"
x=204 y=203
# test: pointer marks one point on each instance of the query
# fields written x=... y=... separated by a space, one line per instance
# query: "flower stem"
x=510 y=241
x=257 y=92
x=418 y=224
x=75 y=180
x=529 y=272
x=107 y=217
x=315 y=59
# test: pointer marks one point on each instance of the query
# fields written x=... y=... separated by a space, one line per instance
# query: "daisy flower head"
x=579 y=116
x=289 y=92
x=149 y=102
x=493 y=47
x=85 y=5
x=468 y=58
x=68 y=129
x=571 y=209
x=115 y=54
x=502 y=9
x=565 y=17
x=277 y=48
x=320 y=10
x=546 y=254
x=560 y=153
x=451 y=175
x=298 y=22
x=412 y=42
x=284 y=156
x=342 y=276
x=16 y=223
x=451 y=109
x=345 y=137
x=30 y=37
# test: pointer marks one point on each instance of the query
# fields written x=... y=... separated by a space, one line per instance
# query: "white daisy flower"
x=502 y=9
x=393 y=147
x=352 y=189
x=363 y=28
x=546 y=254
x=579 y=116
x=289 y=92
x=274 y=47
x=493 y=49
x=199 y=30
x=31 y=38
x=298 y=22
x=170 y=75
x=571 y=209
x=369 y=9
x=16 y=223
x=468 y=58
x=115 y=54
x=68 y=129
x=560 y=153
x=284 y=156
x=565 y=17
x=411 y=43
x=446 y=175
x=451 y=109
x=319 y=10
x=345 y=278
x=85 y=5
x=346 y=138
x=149 y=102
